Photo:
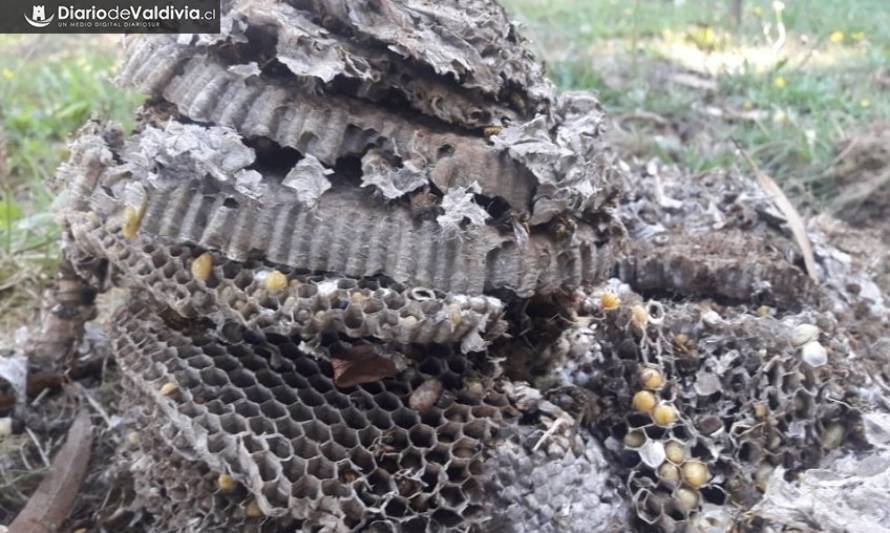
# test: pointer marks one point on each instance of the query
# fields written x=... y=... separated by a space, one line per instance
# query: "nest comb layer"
x=233 y=294
x=543 y=155
x=748 y=397
x=191 y=184
x=376 y=455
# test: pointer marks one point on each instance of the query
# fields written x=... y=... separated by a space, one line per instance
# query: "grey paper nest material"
x=270 y=417
x=322 y=219
x=369 y=253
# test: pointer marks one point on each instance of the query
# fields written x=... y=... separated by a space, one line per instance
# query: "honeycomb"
x=745 y=396
x=369 y=253
x=361 y=236
x=236 y=296
x=271 y=417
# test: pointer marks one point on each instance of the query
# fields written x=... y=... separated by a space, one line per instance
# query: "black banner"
x=110 y=16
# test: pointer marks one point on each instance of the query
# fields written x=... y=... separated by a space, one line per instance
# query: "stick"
x=50 y=505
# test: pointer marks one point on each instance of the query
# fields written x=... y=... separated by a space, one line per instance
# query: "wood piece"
x=50 y=505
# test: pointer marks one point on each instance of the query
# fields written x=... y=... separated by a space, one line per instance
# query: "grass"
x=49 y=86
x=789 y=101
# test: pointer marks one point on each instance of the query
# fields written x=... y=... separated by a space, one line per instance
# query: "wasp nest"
x=324 y=218
x=370 y=255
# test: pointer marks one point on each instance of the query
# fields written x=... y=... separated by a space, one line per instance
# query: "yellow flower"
x=748 y=105
x=837 y=37
x=858 y=36
x=779 y=82
x=865 y=102
x=8 y=74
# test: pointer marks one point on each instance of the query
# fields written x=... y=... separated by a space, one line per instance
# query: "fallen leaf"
x=795 y=222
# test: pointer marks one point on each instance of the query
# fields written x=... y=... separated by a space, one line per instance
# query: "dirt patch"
x=862 y=175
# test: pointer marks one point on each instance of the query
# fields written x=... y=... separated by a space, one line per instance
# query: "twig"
x=95 y=405
x=37 y=444
x=554 y=427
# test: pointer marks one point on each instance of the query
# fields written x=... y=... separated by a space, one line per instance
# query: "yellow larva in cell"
x=695 y=473
x=643 y=401
x=634 y=439
x=669 y=472
x=664 y=414
x=687 y=498
x=610 y=301
x=132 y=220
x=651 y=378
x=168 y=388
x=202 y=266
x=675 y=452
x=226 y=483
x=639 y=316
x=491 y=131
x=275 y=281
x=253 y=509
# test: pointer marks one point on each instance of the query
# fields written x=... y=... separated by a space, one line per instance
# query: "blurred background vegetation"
x=797 y=84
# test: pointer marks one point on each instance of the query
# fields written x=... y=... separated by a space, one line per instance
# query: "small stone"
x=5 y=426
x=803 y=334
x=833 y=436
x=711 y=318
x=134 y=439
x=814 y=354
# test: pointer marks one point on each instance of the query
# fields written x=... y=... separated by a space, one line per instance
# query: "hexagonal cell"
x=344 y=435
x=246 y=408
x=277 y=493
x=242 y=379
x=306 y=367
x=304 y=447
x=333 y=451
x=422 y=436
x=311 y=398
x=353 y=418
x=327 y=414
x=317 y=431
x=306 y=487
x=284 y=394
x=261 y=425
x=380 y=482
x=321 y=468
x=405 y=418
x=380 y=418
x=447 y=518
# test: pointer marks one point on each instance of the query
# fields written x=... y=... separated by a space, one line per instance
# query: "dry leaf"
x=795 y=222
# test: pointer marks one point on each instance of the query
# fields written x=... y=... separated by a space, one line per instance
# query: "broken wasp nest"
x=316 y=279
x=369 y=251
